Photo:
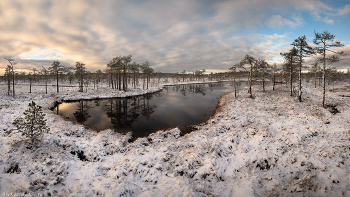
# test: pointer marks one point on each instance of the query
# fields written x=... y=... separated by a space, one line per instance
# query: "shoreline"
x=250 y=147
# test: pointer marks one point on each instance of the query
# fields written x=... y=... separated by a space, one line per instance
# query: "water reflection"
x=82 y=112
x=174 y=106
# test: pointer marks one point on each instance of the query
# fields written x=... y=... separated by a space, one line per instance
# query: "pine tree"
x=80 y=71
x=304 y=50
x=57 y=69
x=325 y=42
x=12 y=73
x=234 y=70
x=248 y=59
x=33 y=125
x=290 y=59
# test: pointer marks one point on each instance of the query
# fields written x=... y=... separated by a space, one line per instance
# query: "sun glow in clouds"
x=41 y=54
x=172 y=36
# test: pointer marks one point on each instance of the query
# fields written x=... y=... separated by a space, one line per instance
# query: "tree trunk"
x=299 y=95
x=250 y=81
x=144 y=78
x=57 y=82
x=234 y=82
x=324 y=75
x=120 y=81
x=274 y=80
x=9 y=84
x=291 y=79
x=30 y=85
x=147 y=81
x=315 y=78
x=13 y=83
x=263 y=82
x=112 y=80
x=124 y=78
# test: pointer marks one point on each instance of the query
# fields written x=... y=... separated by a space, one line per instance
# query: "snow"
x=267 y=146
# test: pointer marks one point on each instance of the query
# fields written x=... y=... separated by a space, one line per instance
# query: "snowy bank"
x=267 y=146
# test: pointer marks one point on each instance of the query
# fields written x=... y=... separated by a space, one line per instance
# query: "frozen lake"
x=175 y=106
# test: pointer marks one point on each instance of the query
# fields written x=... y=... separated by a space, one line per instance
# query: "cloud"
x=344 y=59
x=328 y=21
x=344 y=11
x=277 y=21
x=171 y=35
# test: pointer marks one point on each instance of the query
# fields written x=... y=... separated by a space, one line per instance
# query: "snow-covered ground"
x=271 y=145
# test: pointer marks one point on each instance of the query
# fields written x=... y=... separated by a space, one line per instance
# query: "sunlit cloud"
x=277 y=21
x=171 y=35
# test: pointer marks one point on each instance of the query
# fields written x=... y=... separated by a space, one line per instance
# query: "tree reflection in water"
x=82 y=112
x=175 y=106
x=123 y=112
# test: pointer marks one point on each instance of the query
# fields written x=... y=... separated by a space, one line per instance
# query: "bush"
x=33 y=125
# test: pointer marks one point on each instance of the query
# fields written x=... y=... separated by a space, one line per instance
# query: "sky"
x=172 y=35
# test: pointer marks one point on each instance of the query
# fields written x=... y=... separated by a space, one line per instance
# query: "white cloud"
x=172 y=35
x=275 y=37
x=277 y=21
x=344 y=11
x=328 y=21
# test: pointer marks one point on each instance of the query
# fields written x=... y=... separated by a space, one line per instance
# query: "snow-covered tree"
x=33 y=125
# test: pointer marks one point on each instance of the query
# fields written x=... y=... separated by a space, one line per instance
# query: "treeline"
x=291 y=70
x=120 y=73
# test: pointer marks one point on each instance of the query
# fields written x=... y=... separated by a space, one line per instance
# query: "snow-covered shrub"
x=33 y=125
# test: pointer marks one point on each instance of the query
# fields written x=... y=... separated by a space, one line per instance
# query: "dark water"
x=175 y=106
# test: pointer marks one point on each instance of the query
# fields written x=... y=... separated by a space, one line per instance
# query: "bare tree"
x=325 y=42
